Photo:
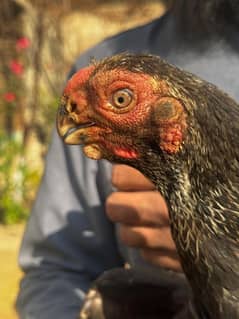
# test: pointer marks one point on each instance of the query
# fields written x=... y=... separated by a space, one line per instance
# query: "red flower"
x=9 y=97
x=16 y=67
x=22 y=43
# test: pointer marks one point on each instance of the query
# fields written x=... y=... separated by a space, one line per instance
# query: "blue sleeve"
x=68 y=241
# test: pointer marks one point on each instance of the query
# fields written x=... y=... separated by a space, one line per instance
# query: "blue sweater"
x=69 y=241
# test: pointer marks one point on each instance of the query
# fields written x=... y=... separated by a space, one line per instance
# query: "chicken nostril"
x=73 y=106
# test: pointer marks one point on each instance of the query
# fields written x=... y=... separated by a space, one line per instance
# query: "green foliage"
x=46 y=118
x=18 y=181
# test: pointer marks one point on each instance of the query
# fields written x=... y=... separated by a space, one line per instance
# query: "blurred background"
x=39 y=41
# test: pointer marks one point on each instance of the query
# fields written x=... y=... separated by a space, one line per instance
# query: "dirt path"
x=10 y=238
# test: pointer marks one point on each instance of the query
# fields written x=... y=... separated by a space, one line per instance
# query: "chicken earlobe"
x=170 y=120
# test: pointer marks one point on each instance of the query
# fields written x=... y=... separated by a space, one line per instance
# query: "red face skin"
x=146 y=111
x=143 y=97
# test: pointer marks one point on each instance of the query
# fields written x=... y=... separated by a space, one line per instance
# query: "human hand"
x=143 y=217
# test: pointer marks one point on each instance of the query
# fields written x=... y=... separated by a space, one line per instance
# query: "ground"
x=10 y=274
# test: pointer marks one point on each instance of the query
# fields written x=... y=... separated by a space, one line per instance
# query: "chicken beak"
x=69 y=128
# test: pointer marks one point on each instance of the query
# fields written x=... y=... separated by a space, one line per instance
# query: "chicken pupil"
x=121 y=99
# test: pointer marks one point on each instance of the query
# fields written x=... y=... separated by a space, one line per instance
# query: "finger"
x=126 y=178
x=146 y=237
x=137 y=208
x=165 y=259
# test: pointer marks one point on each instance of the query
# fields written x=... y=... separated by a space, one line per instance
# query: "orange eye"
x=122 y=98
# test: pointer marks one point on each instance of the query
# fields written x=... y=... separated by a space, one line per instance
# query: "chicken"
x=134 y=293
x=182 y=133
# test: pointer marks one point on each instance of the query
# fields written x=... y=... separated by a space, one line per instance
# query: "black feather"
x=200 y=183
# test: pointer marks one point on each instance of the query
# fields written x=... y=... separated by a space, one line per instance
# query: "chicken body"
x=183 y=134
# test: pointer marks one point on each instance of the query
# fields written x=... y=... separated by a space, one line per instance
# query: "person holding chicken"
x=69 y=240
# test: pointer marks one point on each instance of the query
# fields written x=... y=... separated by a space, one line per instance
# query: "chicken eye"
x=122 y=98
